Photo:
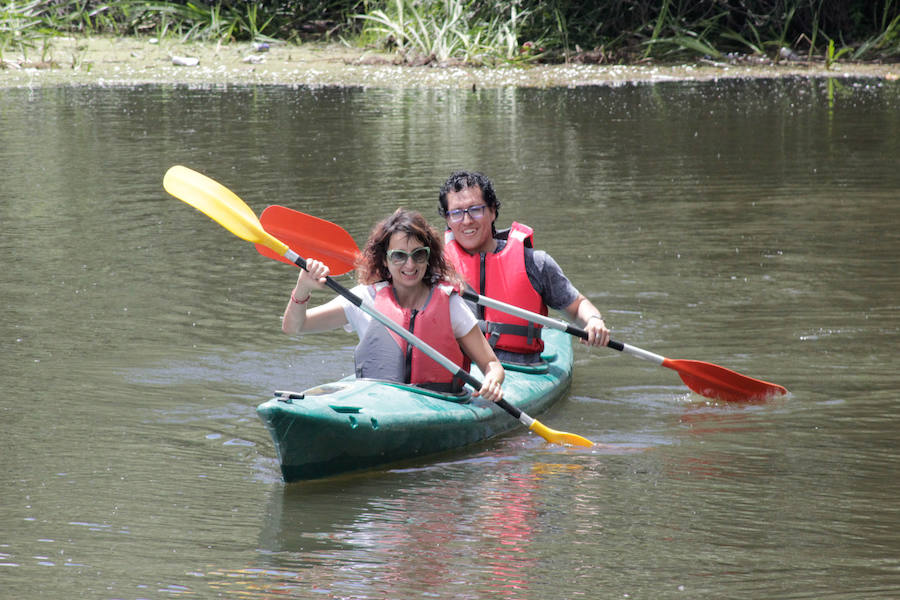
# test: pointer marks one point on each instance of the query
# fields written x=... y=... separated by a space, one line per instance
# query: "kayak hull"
x=355 y=424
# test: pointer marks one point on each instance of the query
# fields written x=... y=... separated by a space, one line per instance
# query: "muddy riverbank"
x=135 y=61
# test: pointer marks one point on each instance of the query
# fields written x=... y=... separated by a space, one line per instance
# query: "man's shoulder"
x=540 y=258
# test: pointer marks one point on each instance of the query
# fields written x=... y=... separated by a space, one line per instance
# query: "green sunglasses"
x=419 y=255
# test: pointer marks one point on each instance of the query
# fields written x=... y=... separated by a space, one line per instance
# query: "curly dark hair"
x=371 y=265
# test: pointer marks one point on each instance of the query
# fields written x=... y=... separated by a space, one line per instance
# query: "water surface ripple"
x=752 y=224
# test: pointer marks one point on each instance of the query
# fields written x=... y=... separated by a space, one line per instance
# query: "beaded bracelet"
x=304 y=301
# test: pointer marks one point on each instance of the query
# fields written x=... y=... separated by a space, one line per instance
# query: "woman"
x=403 y=272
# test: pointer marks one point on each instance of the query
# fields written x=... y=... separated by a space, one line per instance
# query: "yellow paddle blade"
x=560 y=437
x=220 y=204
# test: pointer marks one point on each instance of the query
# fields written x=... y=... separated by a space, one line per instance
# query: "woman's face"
x=406 y=260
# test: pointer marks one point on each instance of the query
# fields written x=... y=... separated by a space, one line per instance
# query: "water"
x=749 y=224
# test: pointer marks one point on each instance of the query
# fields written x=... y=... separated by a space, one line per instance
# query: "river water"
x=750 y=224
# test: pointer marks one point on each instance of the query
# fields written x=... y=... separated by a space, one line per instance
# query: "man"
x=504 y=266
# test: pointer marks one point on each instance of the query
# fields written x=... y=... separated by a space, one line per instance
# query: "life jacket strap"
x=494 y=330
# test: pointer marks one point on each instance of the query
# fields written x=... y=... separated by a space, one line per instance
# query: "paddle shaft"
x=555 y=324
x=563 y=326
x=422 y=345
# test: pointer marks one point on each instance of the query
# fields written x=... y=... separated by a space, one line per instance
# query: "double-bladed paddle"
x=223 y=206
x=706 y=379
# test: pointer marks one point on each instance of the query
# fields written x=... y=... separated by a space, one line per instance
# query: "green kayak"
x=356 y=424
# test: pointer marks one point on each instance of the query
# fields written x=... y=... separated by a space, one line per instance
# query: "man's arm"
x=558 y=293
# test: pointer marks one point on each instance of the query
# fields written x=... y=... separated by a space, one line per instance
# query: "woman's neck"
x=412 y=298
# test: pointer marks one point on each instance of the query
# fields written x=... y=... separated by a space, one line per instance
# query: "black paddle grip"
x=334 y=285
x=513 y=410
x=469 y=378
x=577 y=331
x=342 y=291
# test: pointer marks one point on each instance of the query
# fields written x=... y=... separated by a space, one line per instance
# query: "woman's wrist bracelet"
x=594 y=317
x=304 y=301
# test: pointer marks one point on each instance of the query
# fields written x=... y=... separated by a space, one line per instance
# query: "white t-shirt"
x=461 y=318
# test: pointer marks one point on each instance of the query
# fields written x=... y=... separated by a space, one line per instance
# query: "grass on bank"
x=489 y=32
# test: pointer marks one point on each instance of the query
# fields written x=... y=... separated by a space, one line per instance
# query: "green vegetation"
x=491 y=31
x=445 y=30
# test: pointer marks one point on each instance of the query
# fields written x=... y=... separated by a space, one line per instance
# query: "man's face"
x=473 y=233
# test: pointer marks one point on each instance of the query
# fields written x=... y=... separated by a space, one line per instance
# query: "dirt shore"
x=134 y=61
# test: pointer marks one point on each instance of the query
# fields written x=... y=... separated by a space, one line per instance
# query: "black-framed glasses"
x=457 y=215
x=419 y=255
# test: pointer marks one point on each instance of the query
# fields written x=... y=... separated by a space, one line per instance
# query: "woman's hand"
x=310 y=278
x=491 y=387
x=476 y=347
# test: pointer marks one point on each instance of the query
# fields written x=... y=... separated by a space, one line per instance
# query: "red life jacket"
x=382 y=354
x=502 y=276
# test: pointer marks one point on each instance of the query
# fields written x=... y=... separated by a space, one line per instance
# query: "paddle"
x=223 y=206
x=706 y=379
x=332 y=244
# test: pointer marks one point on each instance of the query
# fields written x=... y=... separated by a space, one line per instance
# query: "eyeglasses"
x=419 y=255
x=476 y=212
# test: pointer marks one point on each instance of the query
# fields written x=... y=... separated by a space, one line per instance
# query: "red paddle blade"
x=719 y=383
x=310 y=237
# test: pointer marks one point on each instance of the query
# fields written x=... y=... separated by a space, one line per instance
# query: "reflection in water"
x=438 y=531
x=748 y=224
